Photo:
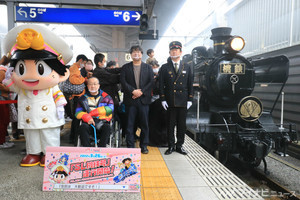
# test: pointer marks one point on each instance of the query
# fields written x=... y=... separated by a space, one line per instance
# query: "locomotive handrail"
x=249 y=129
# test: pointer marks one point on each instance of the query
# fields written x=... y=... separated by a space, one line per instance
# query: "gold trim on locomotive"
x=250 y=108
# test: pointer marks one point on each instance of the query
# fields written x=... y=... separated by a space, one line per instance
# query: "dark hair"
x=111 y=63
x=98 y=58
x=4 y=60
x=81 y=56
x=93 y=77
x=149 y=51
x=61 y=172
x=90 y=61
x=123 y=161
x=136 y=48
x=153 y=62
x=49 y=58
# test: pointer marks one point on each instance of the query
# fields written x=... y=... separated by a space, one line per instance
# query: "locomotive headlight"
x=237 y=43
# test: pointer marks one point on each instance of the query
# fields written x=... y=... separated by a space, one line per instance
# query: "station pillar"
x=118 y=42
x=10 y=15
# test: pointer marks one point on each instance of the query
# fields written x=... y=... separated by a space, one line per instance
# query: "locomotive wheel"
x=221 y=156
x=256 y=163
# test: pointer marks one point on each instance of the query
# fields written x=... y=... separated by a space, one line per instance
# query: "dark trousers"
x=4 y=121
x=68 y=107
x=75 y=122
x=176 y=117
x=86 y=132
x=157 y=124
x=141 y=112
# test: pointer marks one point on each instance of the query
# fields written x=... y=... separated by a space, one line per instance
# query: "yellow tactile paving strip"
x=156 y=180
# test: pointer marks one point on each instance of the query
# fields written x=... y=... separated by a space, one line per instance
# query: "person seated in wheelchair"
x=95 y=108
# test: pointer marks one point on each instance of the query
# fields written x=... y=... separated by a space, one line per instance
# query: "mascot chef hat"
x=32 y=42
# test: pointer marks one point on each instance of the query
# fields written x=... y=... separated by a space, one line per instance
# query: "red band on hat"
x=176 y=46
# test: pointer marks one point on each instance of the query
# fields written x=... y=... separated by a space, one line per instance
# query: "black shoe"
x=145 y=150
x=169 y=150
x=181 y=150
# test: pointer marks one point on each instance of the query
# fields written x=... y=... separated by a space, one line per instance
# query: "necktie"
x=176 y=67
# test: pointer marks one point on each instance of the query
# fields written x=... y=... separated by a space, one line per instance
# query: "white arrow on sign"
x=20 y=11
x=137 y=16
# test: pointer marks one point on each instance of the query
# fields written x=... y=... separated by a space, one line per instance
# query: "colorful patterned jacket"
x=100 y=106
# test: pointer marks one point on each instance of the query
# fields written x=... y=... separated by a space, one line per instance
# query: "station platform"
x=196 y=176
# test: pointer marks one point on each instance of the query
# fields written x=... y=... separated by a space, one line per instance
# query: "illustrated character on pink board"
x=37 y=65
x=59 y=173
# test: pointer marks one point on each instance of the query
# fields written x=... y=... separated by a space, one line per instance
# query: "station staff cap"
x=36 y=37
x=175 y=45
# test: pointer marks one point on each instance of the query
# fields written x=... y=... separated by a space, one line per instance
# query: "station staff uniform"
x=176 y=88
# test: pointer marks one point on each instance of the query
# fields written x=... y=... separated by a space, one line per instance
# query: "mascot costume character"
x=37 y=64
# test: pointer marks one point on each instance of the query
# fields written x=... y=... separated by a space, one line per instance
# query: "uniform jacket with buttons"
x=37 y=108
x=176 y=88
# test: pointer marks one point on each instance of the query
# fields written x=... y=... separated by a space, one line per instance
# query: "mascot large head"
x=38 y=56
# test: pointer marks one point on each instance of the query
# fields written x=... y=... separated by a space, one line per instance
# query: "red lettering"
x=100 y=171
x=106 y=170
x=75 y=167
x=90 y=165
x=85 y=173
x=112 y=169
x=82 y=166
x=93 y=172
x=102 y=162
x=72 y=166
x=108 y=162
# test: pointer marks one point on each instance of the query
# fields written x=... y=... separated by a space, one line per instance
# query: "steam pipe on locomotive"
x=232 y=119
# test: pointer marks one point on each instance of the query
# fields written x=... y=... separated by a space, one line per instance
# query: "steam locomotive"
x=228 y=118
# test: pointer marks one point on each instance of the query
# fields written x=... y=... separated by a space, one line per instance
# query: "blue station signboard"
x=77 y=16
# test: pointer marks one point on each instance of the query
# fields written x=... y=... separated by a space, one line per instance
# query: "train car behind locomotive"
x=228 y=119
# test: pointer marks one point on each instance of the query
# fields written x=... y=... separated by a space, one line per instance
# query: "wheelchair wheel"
x=117 y=133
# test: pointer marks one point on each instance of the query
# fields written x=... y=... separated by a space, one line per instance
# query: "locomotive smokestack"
x=219 y=36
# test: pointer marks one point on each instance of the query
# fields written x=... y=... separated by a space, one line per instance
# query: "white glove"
x=60 y=112
x=189 y=104
x=164 y=105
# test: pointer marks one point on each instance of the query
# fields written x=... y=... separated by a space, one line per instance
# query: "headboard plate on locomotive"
x=250 y=108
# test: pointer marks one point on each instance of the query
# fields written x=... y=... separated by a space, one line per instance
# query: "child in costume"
x=38 y=58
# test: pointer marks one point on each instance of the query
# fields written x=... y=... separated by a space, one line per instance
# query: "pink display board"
x=92 y=169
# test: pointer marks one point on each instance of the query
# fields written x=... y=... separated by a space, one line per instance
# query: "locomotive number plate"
x=232 y=68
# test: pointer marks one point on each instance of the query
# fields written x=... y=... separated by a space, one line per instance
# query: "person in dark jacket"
x=157 y=114
x=137 y=83
x=109 y=78
x=176 y=94
x=87 y=71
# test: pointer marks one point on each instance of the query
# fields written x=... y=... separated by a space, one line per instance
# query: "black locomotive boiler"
x=228 y=118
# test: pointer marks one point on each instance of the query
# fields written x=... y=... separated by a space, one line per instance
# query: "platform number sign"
x=77 y=16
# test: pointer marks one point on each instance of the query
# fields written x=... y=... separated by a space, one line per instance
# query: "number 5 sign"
x=77 y=16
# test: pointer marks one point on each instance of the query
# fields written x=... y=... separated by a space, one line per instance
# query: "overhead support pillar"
x=10 y=15
x=118 y=42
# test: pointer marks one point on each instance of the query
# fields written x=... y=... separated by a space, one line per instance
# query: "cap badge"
x=59 y=57
x=29 y=38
